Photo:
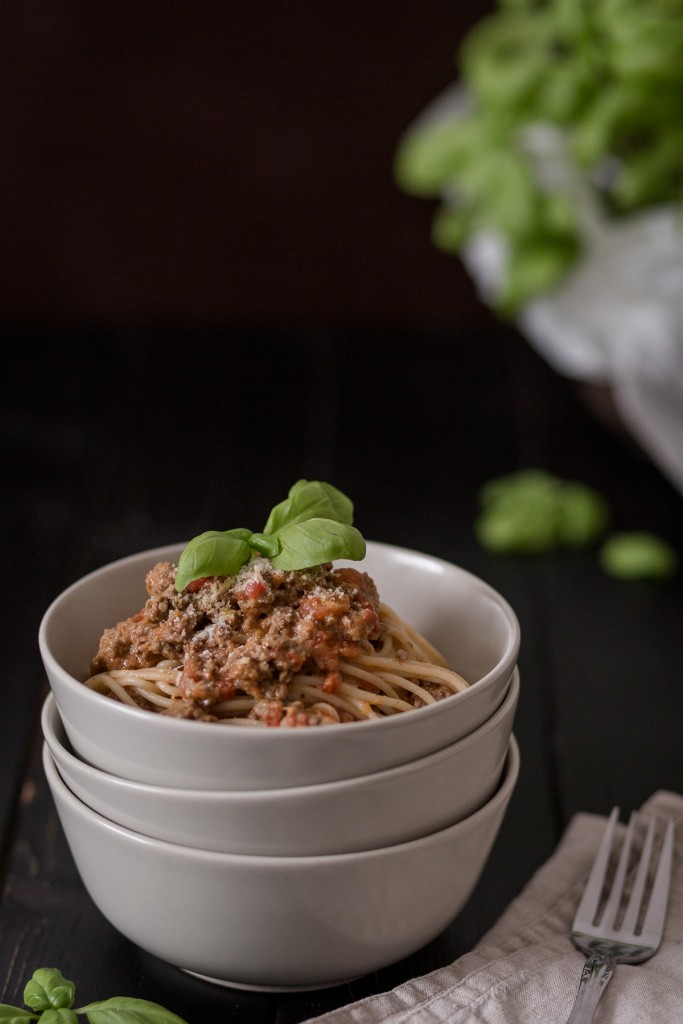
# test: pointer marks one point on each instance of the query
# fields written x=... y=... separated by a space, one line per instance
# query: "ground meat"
x=437 y=690
x=296 y=714
x=249 y=633
x=158 y=632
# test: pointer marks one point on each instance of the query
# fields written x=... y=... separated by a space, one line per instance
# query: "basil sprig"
x=314 y=524
x=50 y=998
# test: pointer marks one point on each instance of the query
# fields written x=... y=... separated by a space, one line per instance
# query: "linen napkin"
x=525 y=970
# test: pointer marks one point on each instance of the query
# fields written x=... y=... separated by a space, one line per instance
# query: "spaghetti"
x=306 y=647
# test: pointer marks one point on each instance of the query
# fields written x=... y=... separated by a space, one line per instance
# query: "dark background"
x=211 y=287
x=218 y=163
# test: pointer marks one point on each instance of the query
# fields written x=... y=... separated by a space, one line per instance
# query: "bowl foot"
x=244 y=986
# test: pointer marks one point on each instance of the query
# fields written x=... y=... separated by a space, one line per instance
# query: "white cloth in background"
x=525 y=970
x=617 y=317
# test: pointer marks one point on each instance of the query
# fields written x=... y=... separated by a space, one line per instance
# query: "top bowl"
x=464 y=617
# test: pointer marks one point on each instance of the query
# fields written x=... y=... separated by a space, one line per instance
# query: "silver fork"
x=607 y=940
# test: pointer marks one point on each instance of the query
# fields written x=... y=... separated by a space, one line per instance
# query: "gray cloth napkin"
x=526 y=970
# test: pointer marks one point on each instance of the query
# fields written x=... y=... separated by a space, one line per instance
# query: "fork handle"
x=596 y=974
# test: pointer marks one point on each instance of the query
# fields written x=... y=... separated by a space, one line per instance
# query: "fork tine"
x=633 y=908
x=603 y=945
x=609 y=914
x=588 y=907
x=656 y=911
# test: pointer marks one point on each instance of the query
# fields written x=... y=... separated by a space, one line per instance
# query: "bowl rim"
x=502 y=796
x=50 y=709
x=171 y=725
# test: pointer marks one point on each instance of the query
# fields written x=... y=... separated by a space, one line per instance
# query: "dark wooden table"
x=117 y=442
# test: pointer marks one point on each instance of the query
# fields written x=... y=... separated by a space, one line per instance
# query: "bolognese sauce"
x=249 y=633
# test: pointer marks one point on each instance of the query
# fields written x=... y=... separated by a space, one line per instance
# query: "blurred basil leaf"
x=638 y=555
x=607 y=74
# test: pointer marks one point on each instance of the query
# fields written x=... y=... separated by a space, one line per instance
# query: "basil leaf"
x=266 y=545
x=240 y=532
x=62 y=1016
x=14 y=1015
x=213 y=554
x=310 y=499
x=317 y=541
x=638 y=554
x=583 y=515
x=49 y=989
x=125 y=1010
x=309 y=504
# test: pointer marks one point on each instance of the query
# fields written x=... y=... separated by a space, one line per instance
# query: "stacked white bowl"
x=285 y=858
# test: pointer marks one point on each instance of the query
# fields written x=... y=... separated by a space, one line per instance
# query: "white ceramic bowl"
x=279 y=922
x=470 y=622
x=366 y=812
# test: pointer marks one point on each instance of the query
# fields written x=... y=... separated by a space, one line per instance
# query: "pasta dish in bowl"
x=390 y=653
x=271 y=648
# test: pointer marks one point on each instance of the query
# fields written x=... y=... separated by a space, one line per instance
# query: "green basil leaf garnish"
x=310 y=499
x=311 y=526
x=14 y=1015
x=52 y=995
x=317 y=541
x=213 y=554
x=265 y=544
x=61 y=1016
x=48 y=989
x=125 y=1010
